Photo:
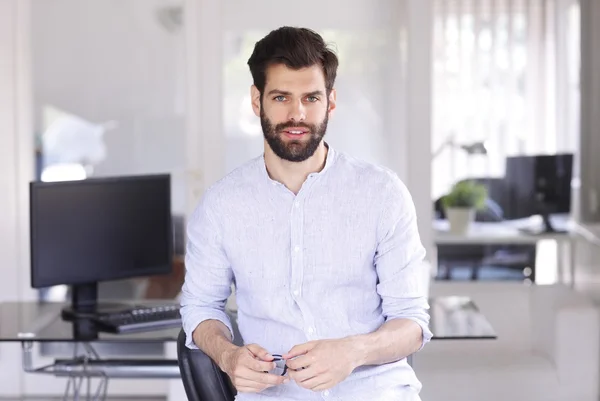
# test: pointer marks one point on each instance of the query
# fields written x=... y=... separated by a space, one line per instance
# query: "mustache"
x=290 y=124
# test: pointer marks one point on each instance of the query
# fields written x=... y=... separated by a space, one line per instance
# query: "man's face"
x=294 y=110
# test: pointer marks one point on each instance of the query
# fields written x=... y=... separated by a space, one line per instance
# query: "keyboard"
x=140 y=319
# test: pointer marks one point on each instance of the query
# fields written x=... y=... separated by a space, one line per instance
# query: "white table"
x=590 y=231
x=509 y=233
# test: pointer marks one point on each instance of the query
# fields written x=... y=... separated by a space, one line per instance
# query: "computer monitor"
x=539 y=185
x=99 y=229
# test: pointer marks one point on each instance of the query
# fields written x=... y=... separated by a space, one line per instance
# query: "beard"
x=293 y=150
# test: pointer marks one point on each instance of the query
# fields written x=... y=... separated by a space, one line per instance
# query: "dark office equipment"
x=498 y=262
x=179 y=237
x=99 y=229
x=202 y=378
x=139 y=319
x=539 y=185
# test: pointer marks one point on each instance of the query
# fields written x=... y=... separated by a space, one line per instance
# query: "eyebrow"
x=286 y=93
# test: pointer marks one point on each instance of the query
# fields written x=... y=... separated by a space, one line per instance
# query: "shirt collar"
x=329 y=161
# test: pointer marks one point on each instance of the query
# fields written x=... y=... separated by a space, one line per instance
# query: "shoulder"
x=372 y=177
x=229 y=189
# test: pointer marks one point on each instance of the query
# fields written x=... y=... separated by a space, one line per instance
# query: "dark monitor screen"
x=539 y=185
x=100 y=229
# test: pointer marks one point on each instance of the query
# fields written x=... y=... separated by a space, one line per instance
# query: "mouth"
x=295 y=132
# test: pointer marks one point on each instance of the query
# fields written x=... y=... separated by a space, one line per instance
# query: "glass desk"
x=453 y=317
x=456 y=318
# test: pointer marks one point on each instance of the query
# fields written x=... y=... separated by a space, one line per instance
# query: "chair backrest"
x=203 y=380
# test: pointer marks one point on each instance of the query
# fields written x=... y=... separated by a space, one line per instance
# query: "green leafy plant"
x=466 y=194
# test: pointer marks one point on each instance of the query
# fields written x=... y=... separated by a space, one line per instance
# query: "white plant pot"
x=460 y=219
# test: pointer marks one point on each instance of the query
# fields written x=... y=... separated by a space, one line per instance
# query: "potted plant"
x=460 y=205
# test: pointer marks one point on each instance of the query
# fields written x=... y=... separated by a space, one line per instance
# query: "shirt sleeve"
x=208 y=274
x=399 y=260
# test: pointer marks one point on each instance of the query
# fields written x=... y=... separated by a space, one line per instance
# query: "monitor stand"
x=547 y=228
x=85 y=305
x=84 y=329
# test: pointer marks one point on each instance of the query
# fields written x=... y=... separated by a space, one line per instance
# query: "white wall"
x=588 y=255
x=112 y=60
x=8 y=143
x=590 y=111
x=15 y=169
x=418 y=109
x=8 y=160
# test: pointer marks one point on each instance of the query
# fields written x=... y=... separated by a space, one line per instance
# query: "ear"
x=332 y=100
x=255 y=96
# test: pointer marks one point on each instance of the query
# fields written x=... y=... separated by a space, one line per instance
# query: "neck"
x=293 y=174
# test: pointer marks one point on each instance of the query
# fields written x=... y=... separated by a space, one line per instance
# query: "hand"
x=320 y=365
x=246 y=367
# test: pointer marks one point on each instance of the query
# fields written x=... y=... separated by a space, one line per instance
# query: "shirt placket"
x=297 y=258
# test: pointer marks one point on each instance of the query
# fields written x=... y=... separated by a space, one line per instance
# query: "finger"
x=260 y=377
x=300 y=349
x=303 y=375
x=250 y=385
x=257 y=365
x=259 y=352
x=301 y=362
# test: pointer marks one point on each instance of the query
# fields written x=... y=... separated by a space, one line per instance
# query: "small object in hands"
x=280 y=365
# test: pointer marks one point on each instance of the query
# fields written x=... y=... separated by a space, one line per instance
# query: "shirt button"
x=296 y=292
x=296 y=248
x=297 y=204
x=311 y=330
x=326 y=393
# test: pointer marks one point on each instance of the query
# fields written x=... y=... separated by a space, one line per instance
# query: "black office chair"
x=202 y=379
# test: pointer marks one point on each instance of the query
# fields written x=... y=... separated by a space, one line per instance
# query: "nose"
x=296 y=112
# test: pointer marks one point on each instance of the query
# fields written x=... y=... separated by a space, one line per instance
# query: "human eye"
x=312 y=99
x=279 y=98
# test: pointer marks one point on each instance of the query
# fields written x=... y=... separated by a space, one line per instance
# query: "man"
x=323 y=250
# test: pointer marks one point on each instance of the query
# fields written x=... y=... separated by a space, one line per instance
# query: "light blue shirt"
x=338 y=259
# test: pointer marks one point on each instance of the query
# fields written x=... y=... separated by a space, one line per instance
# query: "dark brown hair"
x=296 y=48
